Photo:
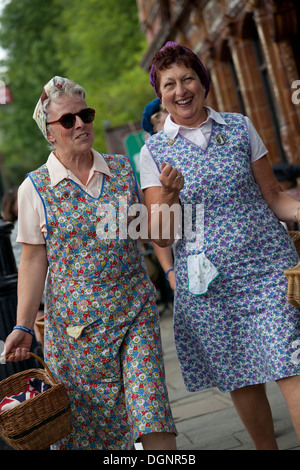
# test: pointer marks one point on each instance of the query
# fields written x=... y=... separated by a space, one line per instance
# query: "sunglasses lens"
x=68 y=120
x=87 y=115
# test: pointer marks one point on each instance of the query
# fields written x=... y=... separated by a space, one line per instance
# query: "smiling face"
x=182 y=94
x=69 y=142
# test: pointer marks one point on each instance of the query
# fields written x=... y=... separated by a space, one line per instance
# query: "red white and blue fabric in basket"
x=33 y=388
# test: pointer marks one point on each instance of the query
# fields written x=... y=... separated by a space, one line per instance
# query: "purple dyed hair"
x=201 y=72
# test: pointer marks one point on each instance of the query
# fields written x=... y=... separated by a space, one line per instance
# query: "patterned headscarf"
x=39 y=115
x=206 y=83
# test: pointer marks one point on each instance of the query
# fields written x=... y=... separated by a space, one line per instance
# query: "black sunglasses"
x=87 y=115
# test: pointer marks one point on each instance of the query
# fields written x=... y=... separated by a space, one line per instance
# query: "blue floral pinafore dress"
x=102 y=336
x=237 y=328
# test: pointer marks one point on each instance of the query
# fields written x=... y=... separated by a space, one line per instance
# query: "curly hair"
x=176 y=54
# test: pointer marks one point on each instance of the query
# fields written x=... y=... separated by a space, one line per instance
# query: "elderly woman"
x=102 y=337
x=234 y=328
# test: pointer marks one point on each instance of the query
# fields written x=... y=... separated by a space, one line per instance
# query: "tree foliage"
x=25 y=33
x=94 y=42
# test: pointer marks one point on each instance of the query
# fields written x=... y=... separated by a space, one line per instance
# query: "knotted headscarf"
x=39 y=116
x=205 y=80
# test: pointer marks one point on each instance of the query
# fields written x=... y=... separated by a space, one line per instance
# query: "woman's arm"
x=284 y=206
x=31 y=280
x=163 y=206
x=165 y=258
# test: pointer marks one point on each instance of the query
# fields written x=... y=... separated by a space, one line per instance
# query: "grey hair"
x=68 y=88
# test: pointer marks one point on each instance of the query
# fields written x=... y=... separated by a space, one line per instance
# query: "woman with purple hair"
x=233 y=326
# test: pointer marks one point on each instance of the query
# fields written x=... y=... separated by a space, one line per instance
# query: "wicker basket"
x=41 y=326
x=293 y=277
x=38 y=422
x=296 y=239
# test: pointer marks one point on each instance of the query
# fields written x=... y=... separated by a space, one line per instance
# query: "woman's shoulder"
x=39 y=173
x=119 y=164
x=160 y=137
x=27 y=187
x=232 y=116
x=116 y=159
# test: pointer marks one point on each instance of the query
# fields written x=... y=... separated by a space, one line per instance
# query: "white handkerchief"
x=201 y=272
x=75 y=331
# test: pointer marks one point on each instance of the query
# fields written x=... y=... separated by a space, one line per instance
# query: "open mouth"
x=82 y=136
x=184 y=102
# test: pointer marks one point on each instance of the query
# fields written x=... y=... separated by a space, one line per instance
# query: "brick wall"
x=250 y=50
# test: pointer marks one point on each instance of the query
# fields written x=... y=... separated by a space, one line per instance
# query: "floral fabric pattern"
x=102 y=336
x=242 y=331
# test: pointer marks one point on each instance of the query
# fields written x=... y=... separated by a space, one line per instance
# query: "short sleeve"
x=258 y=148
x=31 y=215
x=149 y=173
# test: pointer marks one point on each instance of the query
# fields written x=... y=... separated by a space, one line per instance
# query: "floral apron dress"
x=233 y=325
x=102 y=336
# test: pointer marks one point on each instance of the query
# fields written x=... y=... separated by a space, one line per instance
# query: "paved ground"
x=207 y=420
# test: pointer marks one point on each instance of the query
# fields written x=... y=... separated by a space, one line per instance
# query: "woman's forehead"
x=176 y=69
x=67 y=104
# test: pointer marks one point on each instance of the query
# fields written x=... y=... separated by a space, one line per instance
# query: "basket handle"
x=39 y=359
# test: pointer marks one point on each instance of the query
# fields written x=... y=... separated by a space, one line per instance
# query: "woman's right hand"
x=18 y=343
x=171 y=179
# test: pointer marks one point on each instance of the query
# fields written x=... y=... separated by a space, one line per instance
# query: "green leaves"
x=25 y=26
x=95 y=43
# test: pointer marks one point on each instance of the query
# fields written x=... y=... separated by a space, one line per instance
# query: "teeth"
x=187 y=100
x=82 y=136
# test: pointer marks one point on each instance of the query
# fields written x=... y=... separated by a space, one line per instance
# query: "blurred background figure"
x=154 y=116
x=10 y=214
x=288 y=174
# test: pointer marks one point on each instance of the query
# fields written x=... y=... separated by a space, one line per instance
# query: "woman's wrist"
x=167 y=273
x=24 y=328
